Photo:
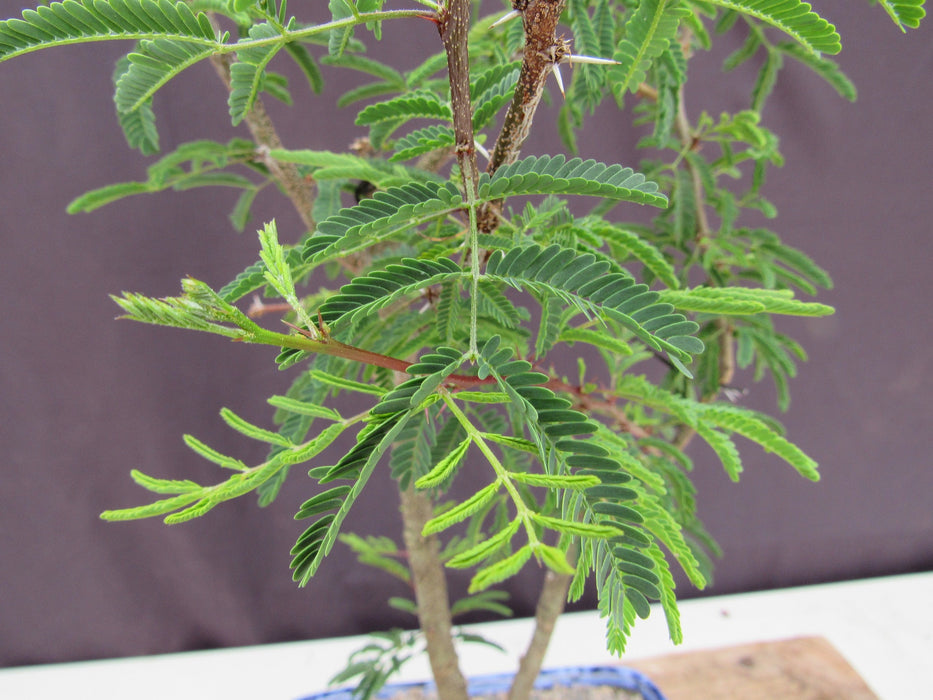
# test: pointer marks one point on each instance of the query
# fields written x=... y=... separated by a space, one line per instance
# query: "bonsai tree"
x=442 y=274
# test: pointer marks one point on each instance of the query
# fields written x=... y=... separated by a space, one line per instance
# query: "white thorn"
x=560 y=80
x=511 y=14
x=479 y=147
x=571 y=59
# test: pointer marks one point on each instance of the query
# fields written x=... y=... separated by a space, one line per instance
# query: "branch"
x=542 y=51
x=298 y=189
x=550 y=606
x=431 y=596
x=453 y=24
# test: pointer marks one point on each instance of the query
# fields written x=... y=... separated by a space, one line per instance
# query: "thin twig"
x=298 y=189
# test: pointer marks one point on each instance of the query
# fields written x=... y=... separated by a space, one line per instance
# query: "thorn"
x=479 y=147
x=307 y=332
x=560 y=80
x=511 y=14
x=571 y=59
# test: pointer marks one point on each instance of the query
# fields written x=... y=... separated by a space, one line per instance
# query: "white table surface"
x=883 y=627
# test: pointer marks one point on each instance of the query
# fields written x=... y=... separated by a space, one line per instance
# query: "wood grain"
x=807 y=668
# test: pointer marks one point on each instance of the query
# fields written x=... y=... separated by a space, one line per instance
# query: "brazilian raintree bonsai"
x=441 y=297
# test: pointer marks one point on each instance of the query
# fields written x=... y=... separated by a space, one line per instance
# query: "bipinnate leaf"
x=422 y=104
x=357 y=465
x=423 y=141
x=557 y=175
x=742 y=300
x=370 y=293
x=748 y=425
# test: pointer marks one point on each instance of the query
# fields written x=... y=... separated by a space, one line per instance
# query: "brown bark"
x=543 y=50
x=549 y=608
x=299 y=190
x=431 y=596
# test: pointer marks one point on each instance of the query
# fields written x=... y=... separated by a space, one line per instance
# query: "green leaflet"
x=748 y=425
x=793 y=17
x=824 y=67
x=904 y=13
x=212 y=455
x=248 y=72
x=596 y=339
x=500 y=570
x=443 y=470
x=369 y=293
x=252 y=431
x=421 y=104
x=304 y=408
x=642 y=250
x=156 y=62
x=742 y=300
x=485 y=548
x=580 y=280
x=89 y=20
x=649 y=30
x=423 y=141
x=192 y=164
x=573 y=527
x=138 y=126
x=387 y=213
x=462 y=510
x=724 y=447
x=557 y=175
x=155 y=485
x=357 y=465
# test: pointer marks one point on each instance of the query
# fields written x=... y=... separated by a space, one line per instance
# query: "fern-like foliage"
x=648 y=34
x=248 y=72
x=422 y=141
x=794 y=17
x=385 y=214
x=380 y=288
x=416 y=105
x=583 y=281
x=904 y=13
x=557 y=175
x=356 y=467
x=80 y=21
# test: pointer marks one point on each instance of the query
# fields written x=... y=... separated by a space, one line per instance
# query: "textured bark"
x=543 y=50
x=299 y=190
x=431 y=596
x=549 y=608
x=454 y=27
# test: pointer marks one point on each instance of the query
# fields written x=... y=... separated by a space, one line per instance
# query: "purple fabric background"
x=83 y=399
